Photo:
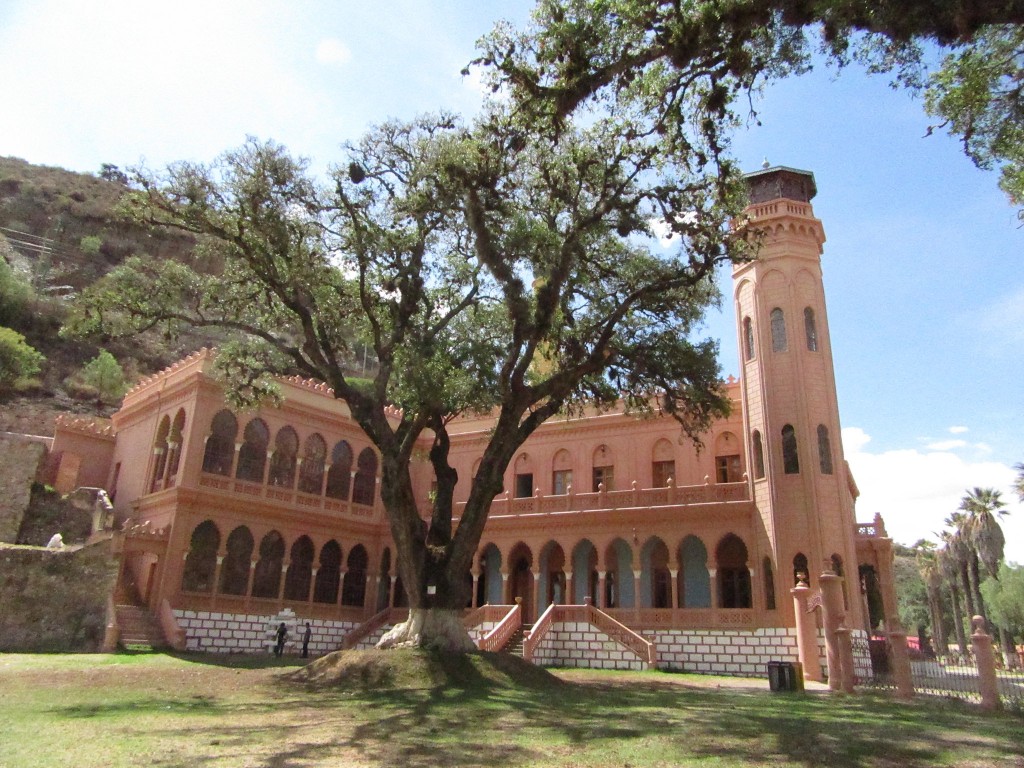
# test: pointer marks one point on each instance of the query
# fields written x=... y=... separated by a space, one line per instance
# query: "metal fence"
x=953 y=676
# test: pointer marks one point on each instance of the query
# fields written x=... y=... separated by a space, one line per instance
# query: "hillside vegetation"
x=60 y=231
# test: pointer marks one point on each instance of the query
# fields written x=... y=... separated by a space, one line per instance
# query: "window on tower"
x=758 y=451
x=810 y=330
x=748 y=338
x=824 y=450
x=790 y=461
x=778 y=331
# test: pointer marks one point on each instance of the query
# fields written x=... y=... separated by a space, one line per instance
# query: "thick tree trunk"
x=437 y=628
x=1009 y=652
x=958 y=621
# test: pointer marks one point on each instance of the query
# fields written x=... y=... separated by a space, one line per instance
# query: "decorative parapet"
x=145 y=530
x=874 y=529
x=195 y=361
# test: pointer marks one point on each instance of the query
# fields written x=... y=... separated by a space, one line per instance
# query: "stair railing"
x=371 y=625
x=623 y=635
x=540 y=628
x=497 y=638
x=173 y=634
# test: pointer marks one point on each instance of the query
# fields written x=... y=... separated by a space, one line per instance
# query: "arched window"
x=561 y=473
x=353 y=591
x=201 y=560
x=266 y=579
x=663 y=464
x=694 y=580
x=328 y=574
x=733 y=574
x=300 y=570
x=282 y=463
x=757 y=448
x=340 y=473
x=603 y=473
x=366 y=478
x=824 y=450
x=220 y=445
x=160 y=454
x=252 y=457
x=748 y=338
x=769 y=585
x=234 y=571
x=311 y=476
x=728 y=465
x=790 y=461
x=800 y=570
x=778 y=331
x=810 y=330
x=174 y=440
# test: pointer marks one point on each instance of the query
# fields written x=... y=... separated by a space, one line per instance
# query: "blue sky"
x=922 y=264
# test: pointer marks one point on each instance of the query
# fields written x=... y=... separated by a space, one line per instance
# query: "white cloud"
x=333 y=51
x=946 y=445
x=958 y=430
x=915 y=490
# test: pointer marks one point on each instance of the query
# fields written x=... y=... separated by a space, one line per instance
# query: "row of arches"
x=307 y=470
x=239 y=568
x=166 y=451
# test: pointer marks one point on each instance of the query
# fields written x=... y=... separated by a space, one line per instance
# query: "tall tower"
x=799 y=478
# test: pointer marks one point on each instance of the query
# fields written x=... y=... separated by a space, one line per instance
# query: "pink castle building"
x=620 y=544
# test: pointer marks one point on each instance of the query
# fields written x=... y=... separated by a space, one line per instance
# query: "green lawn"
x=417 y=710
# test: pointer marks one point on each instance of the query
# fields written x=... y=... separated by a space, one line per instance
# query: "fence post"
x=806 y=631
x=901 y=662
x=984 y=658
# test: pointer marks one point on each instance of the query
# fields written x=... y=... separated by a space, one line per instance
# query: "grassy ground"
x=416 y=710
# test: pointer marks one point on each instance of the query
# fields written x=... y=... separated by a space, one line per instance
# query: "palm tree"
x=982 y=506
x=949 y=566
x=931 y=573
x=1018 y=484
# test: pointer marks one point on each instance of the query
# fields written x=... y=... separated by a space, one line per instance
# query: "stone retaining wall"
x=20 y=459
x=55 y=600
x=579 y=644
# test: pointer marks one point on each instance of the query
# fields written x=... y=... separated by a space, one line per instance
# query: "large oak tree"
x=488 y=267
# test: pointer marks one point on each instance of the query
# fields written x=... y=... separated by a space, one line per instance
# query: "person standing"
x=282 y=635
x=305 y=641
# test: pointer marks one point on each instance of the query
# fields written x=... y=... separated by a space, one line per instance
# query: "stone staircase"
x=514 y=645
x=138 y=630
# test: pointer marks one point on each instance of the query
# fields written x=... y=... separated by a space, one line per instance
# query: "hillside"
x=59 y=232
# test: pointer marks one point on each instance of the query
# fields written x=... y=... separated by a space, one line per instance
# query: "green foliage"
x=17 y=359
x=90 y=244
x=911 y=592
x=16 y=293
x=1004 y=598
x=979 y=94
x=104 y=374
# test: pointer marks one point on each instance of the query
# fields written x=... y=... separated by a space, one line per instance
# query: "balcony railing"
x=288 y=497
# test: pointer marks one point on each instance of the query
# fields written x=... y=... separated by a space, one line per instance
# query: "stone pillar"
x=216 y=578
x=636 y=590
x=234 y=460
x=391 y=591
x=351 y=485
x=984 y=657
x=372 y=589
x=599 y=599
x=296 y=473
x=266 y=467
x=476 y=582
x=284 y=582
x=312 y=583
x=323 y=479
x=806 y=632
x=845 y=643
x=248 y=583
x=832 y=614
x=713 y=586
x=673 y=574
x=900 y=660
x=172 y=448
x=886 y=583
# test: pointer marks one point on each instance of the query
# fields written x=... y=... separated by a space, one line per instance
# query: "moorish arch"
x=584 y=572
x=733 y=573
x=655 y=580
x=340 y=474
x=552 y=576
x=353 y=590
x=174 y=441
x=561 y=473
x=694 y=580
x=314 y=456
x=284 y=458
x=300 y=570
x=252 y=456
x=234 y=571
x=365 y=482
x=520 y=578
x=618 y=577
x=201 y=559
x=489 y=581
x=266 y=578
x=219 y=453
x=160 y=453
x=328 y=573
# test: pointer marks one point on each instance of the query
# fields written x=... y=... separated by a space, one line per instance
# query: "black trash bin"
x=785 y=676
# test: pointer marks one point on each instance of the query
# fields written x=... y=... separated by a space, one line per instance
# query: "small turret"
x=781 y=182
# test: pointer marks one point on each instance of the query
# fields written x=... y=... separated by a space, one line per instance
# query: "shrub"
x=17 y=359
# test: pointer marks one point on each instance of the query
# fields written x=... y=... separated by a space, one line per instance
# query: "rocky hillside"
x=59 y=232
